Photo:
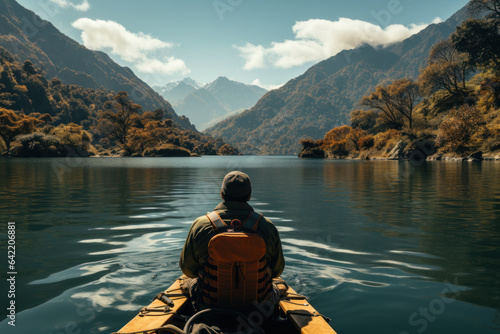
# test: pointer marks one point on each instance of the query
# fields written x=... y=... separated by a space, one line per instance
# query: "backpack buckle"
x=236 y=223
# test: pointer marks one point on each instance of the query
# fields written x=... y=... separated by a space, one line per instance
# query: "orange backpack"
x=236 y=275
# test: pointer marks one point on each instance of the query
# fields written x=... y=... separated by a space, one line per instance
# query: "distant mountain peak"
x=192 y=82
x=216 y=100
x=222 y=79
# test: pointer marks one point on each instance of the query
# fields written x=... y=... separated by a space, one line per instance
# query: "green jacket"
x=195 y=252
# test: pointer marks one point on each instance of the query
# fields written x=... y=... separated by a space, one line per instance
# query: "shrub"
x=364 y=119
x=38 y=145
x=366 y=142
x=73 y=137
x=491 y=144
x=336 y=134
x=489 y=95
x=386 y=140
x=166 y=150
x=457 y=130
x=3 y=147
x=338 y=148
x=335 y=142
x=227 y=149
x=311 y=143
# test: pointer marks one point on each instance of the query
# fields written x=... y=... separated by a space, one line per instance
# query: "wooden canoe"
x=296 y=314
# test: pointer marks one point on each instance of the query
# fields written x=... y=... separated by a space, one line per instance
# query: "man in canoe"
x=233 y=253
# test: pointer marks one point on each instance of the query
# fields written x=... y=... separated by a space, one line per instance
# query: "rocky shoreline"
x=403 y=151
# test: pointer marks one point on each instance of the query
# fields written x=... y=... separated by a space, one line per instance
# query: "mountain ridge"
x=28 y=37
x=324 y=95
x=217 y=99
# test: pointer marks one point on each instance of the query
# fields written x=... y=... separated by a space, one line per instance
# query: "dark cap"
x=236 y=186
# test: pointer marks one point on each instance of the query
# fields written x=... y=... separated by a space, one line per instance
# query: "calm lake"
x=378 y=246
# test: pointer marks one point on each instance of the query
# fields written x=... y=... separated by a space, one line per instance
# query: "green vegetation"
x=453 y=109
x=41 y=118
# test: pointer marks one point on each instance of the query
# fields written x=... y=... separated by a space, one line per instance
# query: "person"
x=232 y=254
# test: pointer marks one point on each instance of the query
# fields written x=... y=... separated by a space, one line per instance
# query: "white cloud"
x=84 y=6
x=268 y=87
x=101 y=35
x=132 y=47
x=317 y=39
x=254 y=56
x=171 y=66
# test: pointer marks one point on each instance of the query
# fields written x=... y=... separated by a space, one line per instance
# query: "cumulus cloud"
x=268 y=87
x=132 y=47
x=170 y=66
x=84 y=6
x=100 y=35
x=318 y=39
x=254 y=56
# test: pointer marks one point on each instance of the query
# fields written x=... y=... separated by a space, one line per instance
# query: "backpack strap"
x=215 y=219
x=252 y=221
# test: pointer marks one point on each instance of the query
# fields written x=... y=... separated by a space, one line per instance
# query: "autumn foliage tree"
x=395 y=102
x=458 y=128
x=447 y=69
x=364 y=120
x=119 y=119
x=227 y=149
x=12 y=125
x=153 y=133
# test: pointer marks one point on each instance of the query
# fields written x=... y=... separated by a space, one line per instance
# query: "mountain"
x=201 y=107
x=235 y=95
x=323 y=97
x=28 y=37
x=217 y=100
x=176 y=91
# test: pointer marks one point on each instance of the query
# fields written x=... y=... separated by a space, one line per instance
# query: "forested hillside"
x=40 y=117
x=28 y=37
x=451 y=111
x=323 y=97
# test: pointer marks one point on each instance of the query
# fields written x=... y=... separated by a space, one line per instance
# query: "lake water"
x=378 y=246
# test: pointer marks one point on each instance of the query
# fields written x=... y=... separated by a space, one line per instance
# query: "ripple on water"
x=409 y=265
x=81 y=270
x=149 y=242
x=133 y=227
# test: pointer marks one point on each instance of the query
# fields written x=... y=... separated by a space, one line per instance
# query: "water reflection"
x=364 y=240
x=446 y=213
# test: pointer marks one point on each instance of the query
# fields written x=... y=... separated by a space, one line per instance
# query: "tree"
x=118 y=120
x=29 y=68
x=480 y=40
x=364 y=120
x=311 y=143
x=335 y=141
x=12 y=125
x=396 y=101
x=456 y=131
x=405 y=95
x=354 y=137
x=480 y=6
x=227 y=149
x=380 y=101
x=447 y=69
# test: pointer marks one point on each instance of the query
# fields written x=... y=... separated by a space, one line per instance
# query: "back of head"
x=236 y=186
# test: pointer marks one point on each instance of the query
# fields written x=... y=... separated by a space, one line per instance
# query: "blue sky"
x=252 y=41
